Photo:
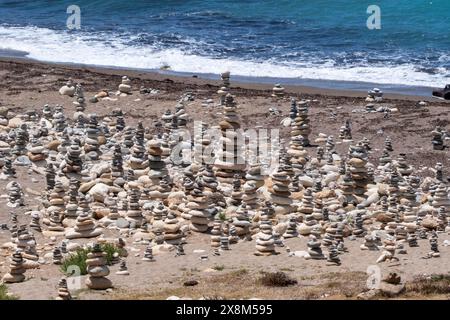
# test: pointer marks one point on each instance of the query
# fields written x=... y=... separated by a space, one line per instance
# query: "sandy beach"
x=27 y=85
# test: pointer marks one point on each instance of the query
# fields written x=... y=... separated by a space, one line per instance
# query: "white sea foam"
x=102 y=50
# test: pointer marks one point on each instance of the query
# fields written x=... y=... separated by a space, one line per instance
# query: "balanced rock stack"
x=437 y=140
x=278 y=191
x=225 y=89
x=15 y=195
x=125 y=86
x=357 y=167
x=80 y=103
x=97 y=269
x=441 y=198
x=21 y=140
x=301 y=126
x=278 y=91
x=345 y=133
x=85 y=227
x=63 y=290
x=16 y=271
x=254 y=175
x=91 y=145
x=172 y=232
x=37 y=151
x=73 y=162
x=216 y=232
x=241 y=222
x=134 y=212
x=402 y=167
x=265 y=244
x=157 y=165
x=138 y=161
x=117 y=166
x=229 y=159
x=68 y=89
x=197 y=205
x=374 y=95
x=8 y=169
x=314 y=248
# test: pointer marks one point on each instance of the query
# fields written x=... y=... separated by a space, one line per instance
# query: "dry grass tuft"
x=276 y=279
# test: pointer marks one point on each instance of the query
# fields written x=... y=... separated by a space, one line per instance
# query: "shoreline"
x=245 y=83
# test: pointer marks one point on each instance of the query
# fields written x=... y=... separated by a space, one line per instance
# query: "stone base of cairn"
x=84 y=228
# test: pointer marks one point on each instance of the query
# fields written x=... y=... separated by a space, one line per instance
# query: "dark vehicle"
x=443 y=93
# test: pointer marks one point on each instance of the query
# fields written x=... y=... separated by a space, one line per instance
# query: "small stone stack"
x=225 y=89
x=437 y=140
x=157 y=165
x=123 y=270
x=236 y=194
x=301 y=126
x=8 y=169
x=345 y=133
x=402 y=166
x=138 y=159
x=254 y=175
x=80 y=103
x=357 y=167
x=265 y=244
x=97 y=269
x=50 y=176
x=216 y=232
x=36 y=151
x=278 y=189
x=21 y=140
x=59 y=119
x=250 y=196
x=63 y=290
x=91 y=145
x=134 y=212
x=314 y=248
x=278 y=91
x=441 y=198
x=197 y=205
x=229 y=159
x=388 y=144
x=17 y=269
x=241 y=223
x=35 y=221
x=291 y=231
x=15 y=195
x=73 y=162
x=172 y=232
x=333 y=256
x=85 y=227
x=117 y=166
x=125 y=86
x=148 y=254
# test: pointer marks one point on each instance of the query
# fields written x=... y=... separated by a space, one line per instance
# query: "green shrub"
x=222 y=216
x=4 y=293
x=79 y=258
x=75 y=259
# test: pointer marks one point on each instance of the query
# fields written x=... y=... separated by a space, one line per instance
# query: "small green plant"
x=222 y=216
x=77 y=259
x=4 y=293
x=80 y=256
x=219 y=267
